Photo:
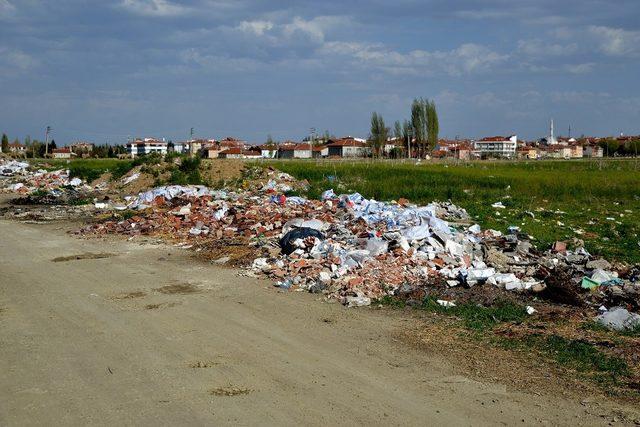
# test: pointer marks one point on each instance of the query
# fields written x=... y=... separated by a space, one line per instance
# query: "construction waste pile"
x=41 y=186
x=357 y=250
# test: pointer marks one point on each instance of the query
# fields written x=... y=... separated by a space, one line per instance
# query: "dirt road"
x=140 y=334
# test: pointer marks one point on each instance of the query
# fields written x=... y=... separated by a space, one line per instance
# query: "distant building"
x=81 y=147
x=527 y=152
x=347 y=147
x=496 y=147
x=62 y=153
x=230 y=142
x=594 y=151
x=268 y=151
x=454 y=149
x=285 y=149
x=176 y=147
x=140 y=147
x=252 y=154
x=211 y=152
x=16 y=147
x=560 y=151
x=231 y=153
x=239 y=153
x=296 y=151
x=319 y=151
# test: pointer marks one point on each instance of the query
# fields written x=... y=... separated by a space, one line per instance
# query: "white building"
x=144 y=146
x=269 y=151
x=496 y=146
x=62 y=153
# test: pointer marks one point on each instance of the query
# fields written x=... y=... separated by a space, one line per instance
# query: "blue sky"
x=104 y=70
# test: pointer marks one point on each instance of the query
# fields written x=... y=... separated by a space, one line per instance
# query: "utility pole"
x=46 y=141
x=313 y=133
x=409 y=133
x=191 y=142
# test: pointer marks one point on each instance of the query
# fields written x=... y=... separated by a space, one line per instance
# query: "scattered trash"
x=131 y=178
x=619 y=319
x=447 y=304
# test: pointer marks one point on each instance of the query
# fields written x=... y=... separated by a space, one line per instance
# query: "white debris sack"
x=619 y=319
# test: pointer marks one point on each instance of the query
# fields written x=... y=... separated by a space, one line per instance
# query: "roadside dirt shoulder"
x=114 y=332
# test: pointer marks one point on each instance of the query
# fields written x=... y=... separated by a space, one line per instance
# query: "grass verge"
x=577 y=355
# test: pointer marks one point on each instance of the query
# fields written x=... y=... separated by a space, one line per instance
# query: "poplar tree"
x=379 y=133
x=5 y=143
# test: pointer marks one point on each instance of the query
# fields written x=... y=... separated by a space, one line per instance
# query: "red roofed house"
x=295 y=151
x=455 y=149
x=62 y=153
x=347 y=147
x=230 y=142
x=239 y=153
x=16 y=147
x=320 y=151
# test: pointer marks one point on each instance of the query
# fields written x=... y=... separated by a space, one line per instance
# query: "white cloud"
x=157 y=8
x=315 y=29
x=295 y=30
x=616 y=41
x=218 y=63
x=257 y=28
x=584 y=68
x=541 y=48
x=577 y=97
x=6 y=9
x=16 y=60
x=467 y=58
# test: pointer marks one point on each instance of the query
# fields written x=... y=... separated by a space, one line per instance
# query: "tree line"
x=419 y=134
x=612 y=147
x=35 y=148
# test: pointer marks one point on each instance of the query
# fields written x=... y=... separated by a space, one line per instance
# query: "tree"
x=610 y=146
x=379 y=133
x=419 y=122
x=397 y=130
x=5 y=143
x=406 y=137
x=433 y=126
x=424 y=123
x=326 y=136
x=632 y=148
x=52 y=145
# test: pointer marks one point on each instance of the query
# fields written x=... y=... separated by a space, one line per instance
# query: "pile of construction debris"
x=45 y=186
x=357 y=250
x=351 y=248
x=12 y=167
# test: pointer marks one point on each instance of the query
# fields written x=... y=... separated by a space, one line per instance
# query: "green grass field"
x=596 y=201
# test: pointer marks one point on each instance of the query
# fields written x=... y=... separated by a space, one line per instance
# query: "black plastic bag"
x=286 y=243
